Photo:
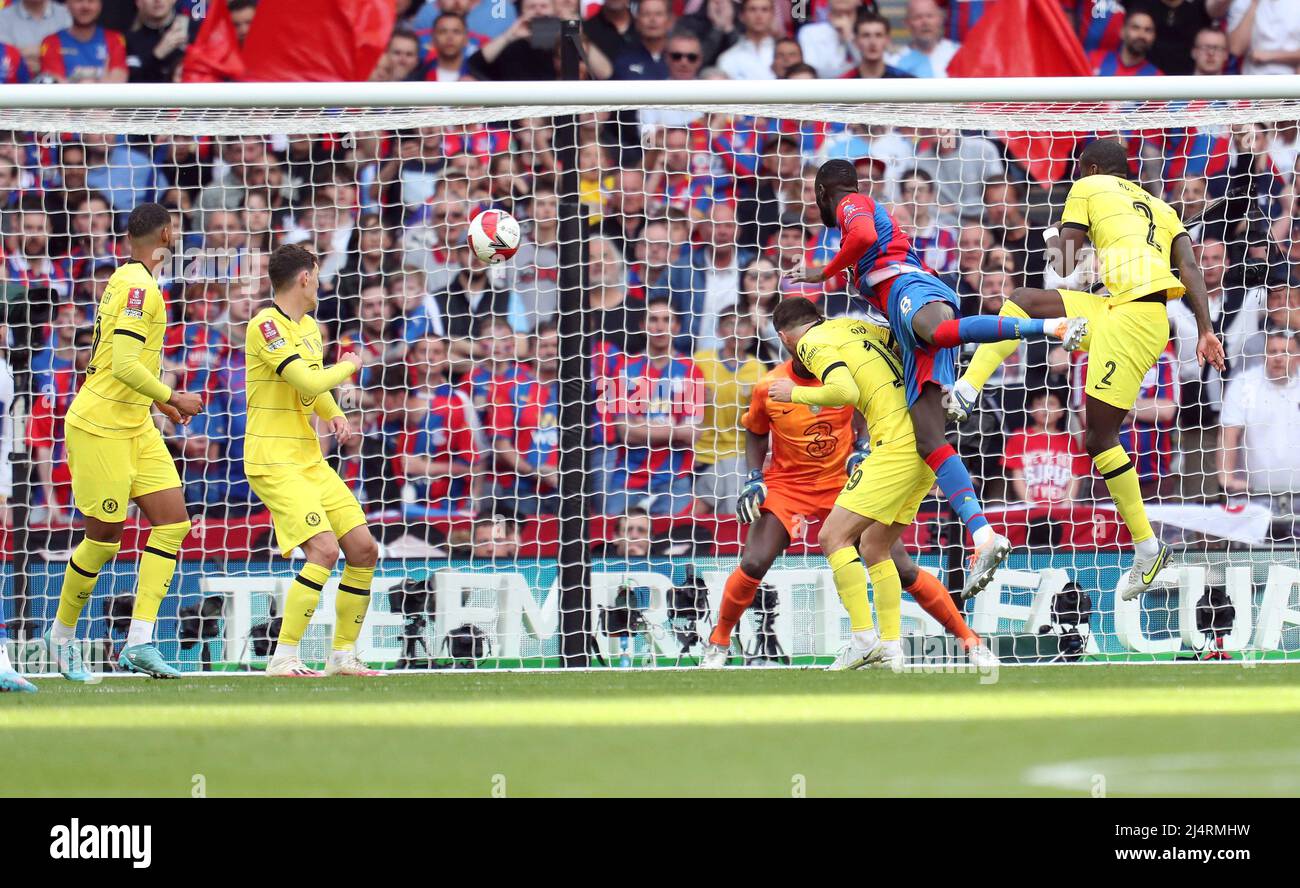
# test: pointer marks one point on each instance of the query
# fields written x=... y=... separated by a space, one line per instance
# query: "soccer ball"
x=494 y=236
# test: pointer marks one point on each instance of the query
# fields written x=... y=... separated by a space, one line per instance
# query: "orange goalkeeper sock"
x=737 y=595
x=935 y=600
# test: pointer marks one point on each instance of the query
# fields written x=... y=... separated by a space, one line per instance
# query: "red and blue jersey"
x=480 y=141
x=530 y=422
x=64 y=56
x=56 y=274
x=1198 y=154
x=606 y=370
x=13 y=68
x=871 y=244
x=490 y=389
x=964 y=15
x=1109 y=64
x=1099 y=23
x=1152 y=445
x=444 y=432
x=194 y=350
x=669 y=395
x=45 y=427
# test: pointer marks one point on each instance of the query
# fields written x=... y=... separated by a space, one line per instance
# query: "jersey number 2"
x=1151 y=223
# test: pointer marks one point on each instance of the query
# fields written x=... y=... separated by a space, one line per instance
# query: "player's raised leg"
x=10 y=680
x=169 y=525
x=351 y=601
x=1025 y=302
x=927 y=369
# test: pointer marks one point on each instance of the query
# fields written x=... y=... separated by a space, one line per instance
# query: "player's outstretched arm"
x=1208 y=346
x=312 y=383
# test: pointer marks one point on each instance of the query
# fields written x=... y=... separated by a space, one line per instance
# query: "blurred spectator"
x=962 y=164
x=13 y=67
x=632 y=535
x=1277 y=306
x=1148 y=433
x=193 y=348
x=371 y=258
x=871 y=37
x=973 y=242
x=27 y=254
x=787 y=54
x=760 y=293
x=751 y=57
x=1209 y=52
x=715 y=23
x=759 y=211
x=1132 y=58
x=534 y=274
x=401 y=61
x=721 y=260
x=156 y=42
x=435 y=448
x=495 y=539
x=121 y=173
x=928 y=52
x=450 y=44
x=1006 y=215
x=514 y=55
x=932 y=235
x=1044 y=463
x=1259 y=453
x=242 y=13
x=613 y=315
x=84 y=52
x=662 y=272
x=68 y=357
x=26 y=23
x=829 y=46
x=611 y=28
x=730 y=373
x=657 y=423
x=525 y=432
x=644 y=58
x=1177 y=23
x=1265 y=34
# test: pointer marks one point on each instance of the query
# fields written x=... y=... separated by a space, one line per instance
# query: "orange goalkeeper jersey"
x=808 y=449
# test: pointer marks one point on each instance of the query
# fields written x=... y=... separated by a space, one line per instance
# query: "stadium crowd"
x=692 y=222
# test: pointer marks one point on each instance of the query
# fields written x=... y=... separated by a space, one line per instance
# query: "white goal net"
x=565 y=430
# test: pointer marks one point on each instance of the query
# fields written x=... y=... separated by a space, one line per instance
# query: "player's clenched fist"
x=781 y=390
x=351 y=357
x=186 y=403
x=751 y=497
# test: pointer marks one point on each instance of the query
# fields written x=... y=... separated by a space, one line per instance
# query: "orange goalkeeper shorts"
x=800 y=511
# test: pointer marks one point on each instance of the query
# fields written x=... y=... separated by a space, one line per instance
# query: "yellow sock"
x=887 y=591
x=989 y=356
x=350 y=603
x=300 y=602
x=157 y=566
x=80 y=575
x=851 y=583
x=1122 y=481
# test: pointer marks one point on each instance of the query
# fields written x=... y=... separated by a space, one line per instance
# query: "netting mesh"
x=672 y=241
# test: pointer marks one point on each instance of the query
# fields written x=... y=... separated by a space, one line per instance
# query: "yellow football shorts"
x=1124 y=341
x=107 y=473
x=306 y=502
x=888 y=486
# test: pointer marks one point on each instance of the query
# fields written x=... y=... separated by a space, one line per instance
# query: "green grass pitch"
x=1183 y=729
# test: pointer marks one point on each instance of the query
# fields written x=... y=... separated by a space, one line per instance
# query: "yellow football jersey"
x=133 y=306
x=866 y=351
x=729 y=391
x=279 y=433
x=1132 y=231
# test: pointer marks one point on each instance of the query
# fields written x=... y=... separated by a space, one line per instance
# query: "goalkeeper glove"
x=751 y=497
x=861 y=450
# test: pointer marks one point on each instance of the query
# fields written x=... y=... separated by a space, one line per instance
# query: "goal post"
x=659 y=219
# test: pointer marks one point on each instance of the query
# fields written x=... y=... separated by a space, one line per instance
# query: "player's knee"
x=105 y=532
x=1097 y=441
x=363 y=551
x=754 y=566
x=322 y=549
x=906 y=568
x=832 y=539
